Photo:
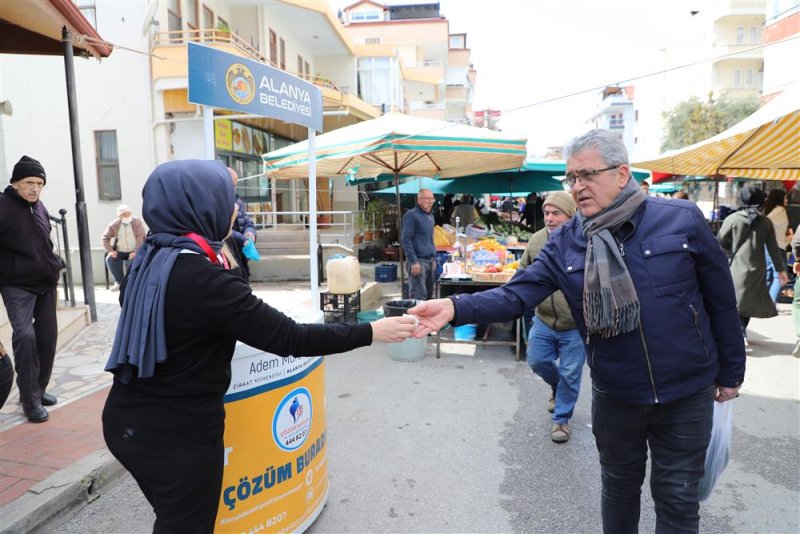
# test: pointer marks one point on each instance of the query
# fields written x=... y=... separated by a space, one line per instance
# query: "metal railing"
x=180 y=37
x=337 y=227
x=62 y=251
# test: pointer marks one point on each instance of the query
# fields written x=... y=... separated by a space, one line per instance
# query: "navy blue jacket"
x=689 y=335
x=417 y=238
x=27 y=259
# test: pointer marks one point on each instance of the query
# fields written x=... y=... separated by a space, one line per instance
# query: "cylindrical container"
x=408 y=350
x=369 y=316
x=465 y=332
x=397 y=308
x=275 y=440
x=343 y=274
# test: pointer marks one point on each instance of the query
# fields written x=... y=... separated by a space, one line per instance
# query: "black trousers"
x=181 y=482
x=677 y=434
x=33 y=340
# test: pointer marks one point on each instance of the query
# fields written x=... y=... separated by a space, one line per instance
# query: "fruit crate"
x=501 y=277
x=340 y=308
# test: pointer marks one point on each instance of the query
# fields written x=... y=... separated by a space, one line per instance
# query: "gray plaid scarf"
x=610 y=303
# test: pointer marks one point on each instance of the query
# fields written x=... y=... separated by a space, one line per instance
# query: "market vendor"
x=418 y=246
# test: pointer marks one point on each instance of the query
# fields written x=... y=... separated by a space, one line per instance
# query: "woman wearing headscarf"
x=746 y=234
x=182 y=314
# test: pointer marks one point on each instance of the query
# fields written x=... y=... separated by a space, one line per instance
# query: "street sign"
x=228 y=81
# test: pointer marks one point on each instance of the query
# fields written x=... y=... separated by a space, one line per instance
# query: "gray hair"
x=610 y=147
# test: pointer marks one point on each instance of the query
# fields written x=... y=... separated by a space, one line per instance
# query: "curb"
x=54 y=500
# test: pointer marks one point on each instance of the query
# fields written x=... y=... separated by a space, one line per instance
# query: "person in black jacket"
x=182 y=314
x=29 y=271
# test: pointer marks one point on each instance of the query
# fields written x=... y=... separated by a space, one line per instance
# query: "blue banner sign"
x=228 y=81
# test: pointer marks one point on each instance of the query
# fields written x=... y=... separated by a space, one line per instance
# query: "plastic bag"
x=718 y=451
x=250 y=252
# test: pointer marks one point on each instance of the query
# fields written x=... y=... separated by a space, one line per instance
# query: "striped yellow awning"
x=765 y=146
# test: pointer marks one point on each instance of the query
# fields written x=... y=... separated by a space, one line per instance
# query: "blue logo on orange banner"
x=291 y=423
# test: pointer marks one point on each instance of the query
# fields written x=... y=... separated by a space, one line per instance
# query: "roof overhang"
x=34 y=27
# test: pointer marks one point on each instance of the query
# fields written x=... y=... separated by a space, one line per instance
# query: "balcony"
x=170 y=58
x=734 y=8
x=428 y=72
x=170 y=61
x=725 y=47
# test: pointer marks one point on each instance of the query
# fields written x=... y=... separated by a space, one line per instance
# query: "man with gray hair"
x=651 y=293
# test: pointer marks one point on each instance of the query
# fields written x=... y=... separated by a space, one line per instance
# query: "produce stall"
x=477 y=266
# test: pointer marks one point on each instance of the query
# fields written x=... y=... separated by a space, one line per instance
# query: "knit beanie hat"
x=27 y=166
x=123 y=208
x=561 y=200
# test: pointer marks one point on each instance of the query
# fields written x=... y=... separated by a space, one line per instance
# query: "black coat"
x=27 y=259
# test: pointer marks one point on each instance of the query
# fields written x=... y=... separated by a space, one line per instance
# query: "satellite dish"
x=149 y=16
x=5 y=108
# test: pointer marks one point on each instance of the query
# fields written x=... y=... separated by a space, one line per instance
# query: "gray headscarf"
x=610 y=302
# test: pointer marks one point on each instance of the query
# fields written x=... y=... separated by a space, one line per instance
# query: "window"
x=372 y=40
x=375 y=80
x=208 y=21
x=365 y=16
x=458 y=40
x=753 y=34
x=107 y=157
x=191 y=14
x=299 y=65
x=737 y=78
x=283 y=54
x=88 y=10
x=174 y=14
x=749 y=78
x=273 y=48
x=740 y=34
x=306 y=70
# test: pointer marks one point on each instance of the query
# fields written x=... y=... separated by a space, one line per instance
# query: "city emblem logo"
x=240 y=84
x=291 y=423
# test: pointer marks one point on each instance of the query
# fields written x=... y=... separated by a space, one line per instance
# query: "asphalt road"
x=461 y=444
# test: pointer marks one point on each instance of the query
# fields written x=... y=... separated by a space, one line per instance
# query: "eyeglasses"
x=585 y=176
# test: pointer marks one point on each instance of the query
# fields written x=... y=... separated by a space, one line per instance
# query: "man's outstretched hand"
x=433 y=315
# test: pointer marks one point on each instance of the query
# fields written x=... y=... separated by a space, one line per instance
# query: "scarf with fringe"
x=610 y=302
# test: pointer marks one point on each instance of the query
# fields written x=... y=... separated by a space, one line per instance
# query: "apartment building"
x=719 y=46
x=133 y=110
x=782 y=36
x=615 y=111
x=408 y=60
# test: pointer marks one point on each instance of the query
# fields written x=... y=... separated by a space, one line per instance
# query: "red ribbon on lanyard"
x=202 y=243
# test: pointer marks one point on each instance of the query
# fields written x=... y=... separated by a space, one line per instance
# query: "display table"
x=445 y=287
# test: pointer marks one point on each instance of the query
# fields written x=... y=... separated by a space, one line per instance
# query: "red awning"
x=34 y=27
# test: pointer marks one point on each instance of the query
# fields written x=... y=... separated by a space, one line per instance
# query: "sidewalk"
x=49 y=470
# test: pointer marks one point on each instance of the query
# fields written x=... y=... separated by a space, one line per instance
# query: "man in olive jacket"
x=29 y=271
x=554 y=334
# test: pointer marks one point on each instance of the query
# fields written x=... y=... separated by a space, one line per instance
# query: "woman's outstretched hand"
x=433 y=315
x=393 y=329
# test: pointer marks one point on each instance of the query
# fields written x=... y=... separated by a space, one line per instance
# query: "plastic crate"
x=391 y=254
x=340 y=308
x=385 y=272
x=369 y=254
